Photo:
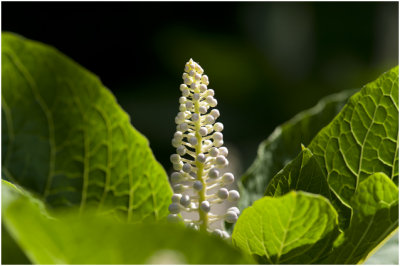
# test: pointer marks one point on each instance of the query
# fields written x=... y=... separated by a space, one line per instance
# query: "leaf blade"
x=284 y=144
x=287 y=229
x=363 y=138
x=67 y=139
x=60 y=237
x=375 y=218
x=305 y=174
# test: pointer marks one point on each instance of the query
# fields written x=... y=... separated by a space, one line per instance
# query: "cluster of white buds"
x=198 y=182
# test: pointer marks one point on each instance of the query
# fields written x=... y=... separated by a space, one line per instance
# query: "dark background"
x=266 y=61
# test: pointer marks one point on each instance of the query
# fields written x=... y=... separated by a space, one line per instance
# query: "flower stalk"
x=200 y=156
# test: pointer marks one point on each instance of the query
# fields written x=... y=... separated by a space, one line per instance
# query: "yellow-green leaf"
x=297 y=228
x=64 y=238
x=363 y=138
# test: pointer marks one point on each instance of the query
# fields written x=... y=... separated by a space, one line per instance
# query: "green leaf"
x=304 y=173
x=297 y=228
x=375 y=218
x=284 y=144
x=363 y=138
x=66 y=139
x=67 y=239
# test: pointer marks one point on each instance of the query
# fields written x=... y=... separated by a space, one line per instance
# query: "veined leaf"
x=363 y=138
x=297 y=228
x=375 y=218
x=304 y=173
x=90 y=239
x=65 y=138
x=284 y=144
x=337 y=149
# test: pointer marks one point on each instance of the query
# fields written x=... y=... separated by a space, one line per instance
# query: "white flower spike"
x=200 y=156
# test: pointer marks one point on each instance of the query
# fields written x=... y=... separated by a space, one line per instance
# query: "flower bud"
x=201 y=158
x=202 y=110
x=174 y=208
x=181 y=150
x=178 y=188
x=218 y=136
x=215 y=113
x=185 y=200
x=234 y=209
x=209 y=119
x=193 y=141
x=176 y=177
x=186 y=168
x=214 y=173
x=233 y=195
x=214 y=152
x=223 y=151
x=222 y=193
x=176 y=198
x=203 y=131
x=218 y=127
x=231 y=217
x=197 y=185
x=205 y=206
x=228 y=178
x=175 y=158
x=221 y=161
x=204 y=79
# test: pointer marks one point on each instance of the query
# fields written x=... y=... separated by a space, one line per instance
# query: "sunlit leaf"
x=363 y=138
x=297 y=228
x=64 y=238
x=65 y=138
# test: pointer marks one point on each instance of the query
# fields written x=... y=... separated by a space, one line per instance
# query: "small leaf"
x=304 y=173
x=375 y=218
x=363 y=138
x=297 y=228
x=66 y=138
x=64 y=238
x=284 y=144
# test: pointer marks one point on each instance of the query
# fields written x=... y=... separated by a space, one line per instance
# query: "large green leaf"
x=375 y=218
x=363 y=138
x=65 y=138
x=284 y=144
x=297 y=228
x=90 y=239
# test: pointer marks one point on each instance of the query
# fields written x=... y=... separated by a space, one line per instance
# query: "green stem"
x=200 y=167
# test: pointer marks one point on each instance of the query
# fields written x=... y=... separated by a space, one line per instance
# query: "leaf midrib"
x=286 y=230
